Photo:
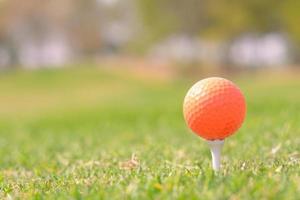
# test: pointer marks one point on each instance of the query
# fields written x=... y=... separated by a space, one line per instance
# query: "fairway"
x=91 y=133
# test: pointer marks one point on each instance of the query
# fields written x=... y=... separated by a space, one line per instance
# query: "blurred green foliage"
x=221 y=19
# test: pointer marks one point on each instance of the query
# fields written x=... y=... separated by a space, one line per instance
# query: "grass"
x=86 y=133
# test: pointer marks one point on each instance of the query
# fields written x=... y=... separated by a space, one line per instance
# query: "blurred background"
x=223 y=34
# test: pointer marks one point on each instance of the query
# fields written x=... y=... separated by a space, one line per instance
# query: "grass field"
x=86 y=133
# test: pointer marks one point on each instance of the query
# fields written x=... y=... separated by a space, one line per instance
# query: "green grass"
x=67 y=134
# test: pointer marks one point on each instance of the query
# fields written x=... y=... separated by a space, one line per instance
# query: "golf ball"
x=214 y=108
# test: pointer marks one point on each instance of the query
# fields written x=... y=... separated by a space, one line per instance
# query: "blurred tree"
x=84 y=24
x=290 y=15
x=157 y=21
x=216 y=18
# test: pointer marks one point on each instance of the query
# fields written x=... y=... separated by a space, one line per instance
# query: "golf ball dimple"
x=214 y=108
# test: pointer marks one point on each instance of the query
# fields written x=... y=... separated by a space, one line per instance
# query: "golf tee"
x=215 y=149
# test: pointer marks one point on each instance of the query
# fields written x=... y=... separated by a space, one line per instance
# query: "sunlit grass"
x=71 y=133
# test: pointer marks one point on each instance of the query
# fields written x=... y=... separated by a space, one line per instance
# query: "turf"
x=86 y=133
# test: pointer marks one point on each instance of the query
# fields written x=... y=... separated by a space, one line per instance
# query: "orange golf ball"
x=214 y=108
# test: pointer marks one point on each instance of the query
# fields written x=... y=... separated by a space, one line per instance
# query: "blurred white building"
x=4 y=58
x=268 y=50
x=52 y=51
x=260 y=51
x=177 y=48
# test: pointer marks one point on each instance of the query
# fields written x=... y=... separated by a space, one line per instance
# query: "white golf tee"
x=215 y=149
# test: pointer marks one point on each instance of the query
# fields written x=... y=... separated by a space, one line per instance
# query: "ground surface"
x=90 y=134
